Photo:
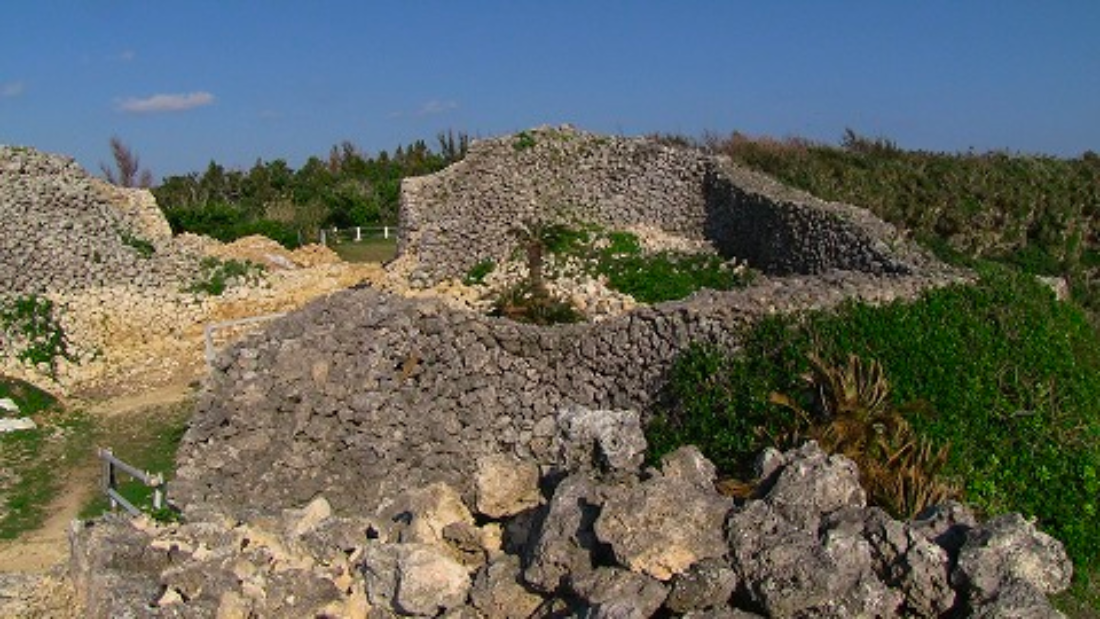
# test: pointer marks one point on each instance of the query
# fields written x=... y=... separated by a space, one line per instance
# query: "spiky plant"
x=853 y=415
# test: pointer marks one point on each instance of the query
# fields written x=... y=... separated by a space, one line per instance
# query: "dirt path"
x=40 y=550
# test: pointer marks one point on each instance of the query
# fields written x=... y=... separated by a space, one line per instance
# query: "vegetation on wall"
x=349 y=188
x=215 y=275
x=31 y=332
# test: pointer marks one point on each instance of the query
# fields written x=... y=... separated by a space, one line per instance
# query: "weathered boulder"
x=114 y=570
x=707 y=584
x=787 y=570
x=421 y=514
x=616 y=593
x=812 y=484
x=1007 y=559
x=663 y=525
x=413 y=578
x=564 y=546
x=498 y=592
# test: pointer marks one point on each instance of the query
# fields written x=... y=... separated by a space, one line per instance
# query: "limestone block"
x=664 y=525
x=505 y=486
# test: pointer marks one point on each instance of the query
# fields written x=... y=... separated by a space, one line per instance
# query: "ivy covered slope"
x=1039 y=213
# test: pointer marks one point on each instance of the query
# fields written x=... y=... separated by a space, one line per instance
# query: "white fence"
x=358 y=234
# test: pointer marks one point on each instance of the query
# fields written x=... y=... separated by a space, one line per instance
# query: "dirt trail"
x=40 y=550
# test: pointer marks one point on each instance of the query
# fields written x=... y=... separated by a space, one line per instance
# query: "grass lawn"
x=33 y=462
x=367 y=250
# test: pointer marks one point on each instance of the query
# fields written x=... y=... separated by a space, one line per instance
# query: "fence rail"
x=358 y=234
x=111 y=467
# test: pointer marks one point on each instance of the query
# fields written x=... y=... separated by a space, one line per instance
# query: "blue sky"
x=189 y=81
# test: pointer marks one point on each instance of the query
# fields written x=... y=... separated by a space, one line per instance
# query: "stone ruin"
x=118 y=279
x=372 y=453
x=62 y=229
x=464 y=214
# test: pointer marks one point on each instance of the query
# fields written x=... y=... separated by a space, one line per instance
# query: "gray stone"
x=604 y=440
x=498 y=593
x=414 y=579
x=813 y=484
x=614 y=593
x=564 y=545
x=1009 y=549
x=706 y=584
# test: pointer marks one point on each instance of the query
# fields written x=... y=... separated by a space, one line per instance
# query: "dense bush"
x=347 y=189
x=1008 y=378
x=649 y=277
x=227 y=223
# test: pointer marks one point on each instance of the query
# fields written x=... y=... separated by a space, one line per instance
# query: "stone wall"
x=455 y=218
x=363 y=393
x=62 y=229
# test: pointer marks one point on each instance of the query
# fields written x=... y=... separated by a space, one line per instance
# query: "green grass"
x=34 y=461
x=368 y=250
x=1002 y=373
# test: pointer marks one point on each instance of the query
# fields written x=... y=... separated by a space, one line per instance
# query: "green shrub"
x=1012 y=376
x=143 y=247
x=667 y=276
x=33 y=332
x=228 y=223
x=217 y=275
x=477 y=273
x=525 y=302
x=524 y=140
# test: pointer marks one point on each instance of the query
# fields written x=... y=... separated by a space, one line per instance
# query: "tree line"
x=348 y=188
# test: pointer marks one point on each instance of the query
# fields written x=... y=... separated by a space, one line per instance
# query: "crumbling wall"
x=62 y=229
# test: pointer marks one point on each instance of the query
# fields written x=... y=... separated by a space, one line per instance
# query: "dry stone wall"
x=62 y=229
x=363 y=393
x=464 y=214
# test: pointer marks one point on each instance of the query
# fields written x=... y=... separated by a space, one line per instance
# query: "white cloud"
x=436 y=107
x=127 y=55
x=166 y=103
x=431 y=108
x=11 y=89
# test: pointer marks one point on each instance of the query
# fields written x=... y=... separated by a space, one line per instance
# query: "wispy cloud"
x=166 y=103
x=126 y=55
x=10 y=90
x=431 y=108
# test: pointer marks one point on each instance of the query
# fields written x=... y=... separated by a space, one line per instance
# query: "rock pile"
x=464 y=214
x=592 y=535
